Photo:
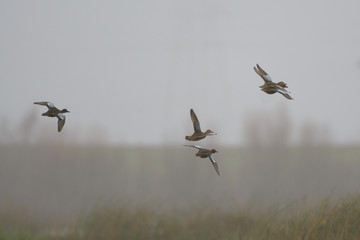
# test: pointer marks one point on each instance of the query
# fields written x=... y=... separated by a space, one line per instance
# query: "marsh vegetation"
x=68 y=192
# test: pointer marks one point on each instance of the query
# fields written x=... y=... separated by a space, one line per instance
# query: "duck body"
x=206 y=153
x=54 y=112
x=198 y=134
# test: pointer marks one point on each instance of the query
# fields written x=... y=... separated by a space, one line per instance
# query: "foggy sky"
x=133 y=69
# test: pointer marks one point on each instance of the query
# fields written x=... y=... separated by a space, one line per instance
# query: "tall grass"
x=44 y=189
x=325 y=220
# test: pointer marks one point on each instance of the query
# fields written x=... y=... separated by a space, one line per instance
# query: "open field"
x=168 y=193
x=324 y=220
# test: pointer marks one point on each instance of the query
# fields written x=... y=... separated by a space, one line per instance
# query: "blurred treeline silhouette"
x=58 y=179
x=50 y=180
x=262 y=128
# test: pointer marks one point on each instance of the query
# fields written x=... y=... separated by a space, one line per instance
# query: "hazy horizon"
x=129 y=72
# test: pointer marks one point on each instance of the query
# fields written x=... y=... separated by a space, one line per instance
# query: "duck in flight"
x=269 y=86
x=54 y=112
x=198 y=134
x=204 y=153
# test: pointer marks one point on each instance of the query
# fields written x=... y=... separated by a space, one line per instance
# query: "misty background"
x=129 y=72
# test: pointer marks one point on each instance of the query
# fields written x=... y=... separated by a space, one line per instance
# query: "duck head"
x=209 y=132
x=213 y=151
x=64 y=111
x=282 y=84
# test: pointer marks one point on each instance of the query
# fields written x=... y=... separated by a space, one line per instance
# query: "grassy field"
x=62 y=192
x=325 y=220
x=322 y=221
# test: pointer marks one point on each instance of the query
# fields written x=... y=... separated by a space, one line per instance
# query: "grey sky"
x=135 y=68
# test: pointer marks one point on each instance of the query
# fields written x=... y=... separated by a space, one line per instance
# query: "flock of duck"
x=269 y=87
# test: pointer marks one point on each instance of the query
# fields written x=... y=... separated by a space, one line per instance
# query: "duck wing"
x=61 y=121
x=195 y=121
x=262 y=73
x=49 y=105
x=194 y=146
x=287 y=96
x=283 y=92
x=214 y=163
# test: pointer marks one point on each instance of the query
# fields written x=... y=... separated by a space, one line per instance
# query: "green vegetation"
x=20 y=235
x=325 y=220
x=68 y=193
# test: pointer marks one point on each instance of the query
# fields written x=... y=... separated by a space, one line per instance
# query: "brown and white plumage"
x=269 y=86
x=198 y=134
x=206 y=153
x=54 y=112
